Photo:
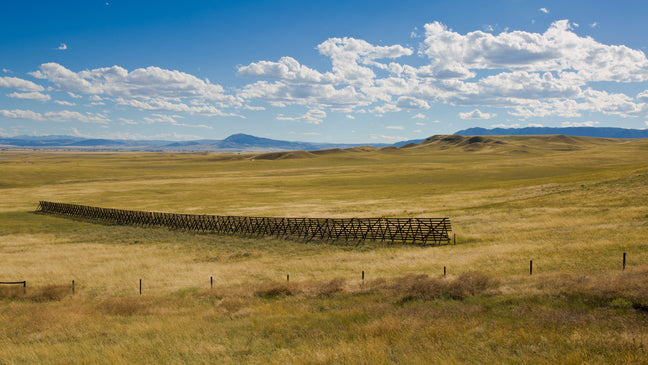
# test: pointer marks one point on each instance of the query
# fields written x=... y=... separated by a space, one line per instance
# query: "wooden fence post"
x=72 y=286
x=211 y=282
x=624 y=260
x=531 y=267
x=444 y=271
x=140 y=286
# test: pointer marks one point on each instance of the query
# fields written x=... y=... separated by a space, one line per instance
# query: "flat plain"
x=571 y=205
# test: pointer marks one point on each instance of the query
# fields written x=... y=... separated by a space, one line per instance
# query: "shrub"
x=45 y=294
x=273 y=290
x=621 y=303
x=332 y=287
x=472 y=283
x=427 y=288
x=49 y=293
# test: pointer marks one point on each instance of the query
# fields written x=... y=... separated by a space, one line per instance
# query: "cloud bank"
x=519 y=74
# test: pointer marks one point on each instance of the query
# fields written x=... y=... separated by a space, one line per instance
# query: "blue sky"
x=335 y=71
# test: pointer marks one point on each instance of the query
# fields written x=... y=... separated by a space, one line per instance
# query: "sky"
x=321 y=71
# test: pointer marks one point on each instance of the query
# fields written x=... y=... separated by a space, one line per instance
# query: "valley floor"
x=573 y=206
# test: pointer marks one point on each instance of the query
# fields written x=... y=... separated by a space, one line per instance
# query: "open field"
x=572 y=205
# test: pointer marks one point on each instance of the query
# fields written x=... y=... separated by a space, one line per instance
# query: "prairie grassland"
x=572 y=205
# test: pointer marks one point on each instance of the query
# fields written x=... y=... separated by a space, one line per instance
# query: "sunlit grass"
x=572 y=206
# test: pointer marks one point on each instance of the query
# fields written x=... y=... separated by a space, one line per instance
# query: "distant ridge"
x=411 y=141
x=234 y=143
x=245 y=143
x=241 y=140
x=600 y=132
x=97 y=142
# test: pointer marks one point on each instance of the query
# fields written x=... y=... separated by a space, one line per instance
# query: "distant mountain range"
x=600 y=132
x=248 y=143
x=233 y=143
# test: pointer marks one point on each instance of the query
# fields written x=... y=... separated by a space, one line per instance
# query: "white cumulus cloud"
x=149 y=82
x=386 y=138
x=19 y=84
x=553 y=73
x=408 y=102
x=34 y=95
x=170 y=119
x=60 y=116
x=476 y=114
x=280 y=93
x=21 y=114
x=287 y=69
x=312 y=116
x=501 y=125
x=643 y=96
x=72 y=116
x=62 y=102
x=164 y=104
x=579 y=124
x=559 y=49
x=352 y=57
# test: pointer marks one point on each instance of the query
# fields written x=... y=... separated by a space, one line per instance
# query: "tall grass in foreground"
x=572 y=209
x=414 y=318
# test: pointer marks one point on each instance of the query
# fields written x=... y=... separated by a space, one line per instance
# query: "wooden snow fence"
x=423 y=231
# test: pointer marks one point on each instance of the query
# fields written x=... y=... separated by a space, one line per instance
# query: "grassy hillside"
x=572 y=205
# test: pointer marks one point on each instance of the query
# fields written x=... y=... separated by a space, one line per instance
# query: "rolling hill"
x=600 y=132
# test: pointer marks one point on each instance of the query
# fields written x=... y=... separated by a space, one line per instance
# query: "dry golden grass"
x=572 y=205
